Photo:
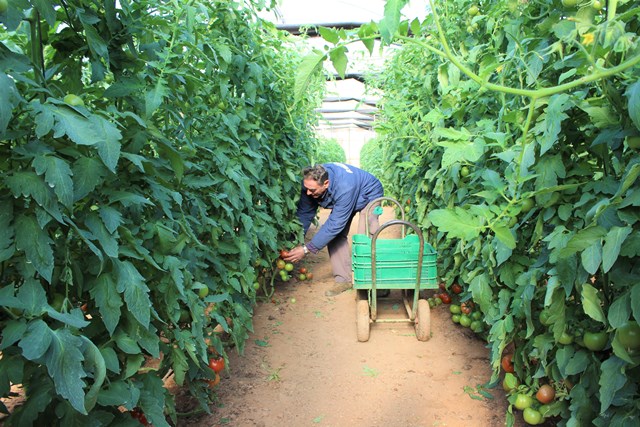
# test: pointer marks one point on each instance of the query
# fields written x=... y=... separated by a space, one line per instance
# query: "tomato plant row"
x=516 y=142
x=148 y=151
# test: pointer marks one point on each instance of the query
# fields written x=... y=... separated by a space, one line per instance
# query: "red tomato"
x=309 y=275
x=446 y=299
x=507 y=363
x=442 y=286
x=456 y=288
x=284 y=253
x=303 y=270
x=214 y=382
x=545 y=394
x=217 y=364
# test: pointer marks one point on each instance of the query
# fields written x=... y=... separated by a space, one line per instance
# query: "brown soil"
x=303 y=366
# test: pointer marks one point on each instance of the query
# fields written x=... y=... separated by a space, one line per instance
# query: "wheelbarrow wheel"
x=362 y=319
x=423 y=321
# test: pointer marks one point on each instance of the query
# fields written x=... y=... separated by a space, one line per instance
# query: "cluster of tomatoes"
x=216 y=364
x=535 y=407
x=286 y=269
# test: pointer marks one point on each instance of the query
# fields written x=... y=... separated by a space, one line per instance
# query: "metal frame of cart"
x=403 y=264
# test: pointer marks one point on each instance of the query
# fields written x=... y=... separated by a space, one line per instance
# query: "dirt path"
x=303 y=366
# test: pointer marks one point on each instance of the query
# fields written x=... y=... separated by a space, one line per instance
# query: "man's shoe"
x=338 y=289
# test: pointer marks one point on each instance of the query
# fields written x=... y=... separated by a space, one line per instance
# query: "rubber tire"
x=362 y=320
x=423 y=321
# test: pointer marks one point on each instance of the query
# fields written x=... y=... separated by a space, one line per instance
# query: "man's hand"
x=295 y=254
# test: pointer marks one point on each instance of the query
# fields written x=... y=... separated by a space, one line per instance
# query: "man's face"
x=314 y=189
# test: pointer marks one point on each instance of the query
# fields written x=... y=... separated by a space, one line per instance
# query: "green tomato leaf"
x=611 y=249
x=339 y=59
x=329 y=34
x=57 y=174
x=36 y=244
x=391 y=22
x=107 y=240
x=505 y=236
x=635 y=301
x=108 y=301
x=311 y=65
x=87 y=174
x=179 y=364
x=12 y=332
x=9 y=98
x=36 y=340
x=591 y=257
x=153 y=98
x=457 y=222
x=110 y=359
x=633 y=95
x=612 y=379
x=582 y=240
x=119 y=393
x=136 y=292
x=7 y=232
x=620 y=310
x=591 y=303
x=482 y=292
x=64 y=363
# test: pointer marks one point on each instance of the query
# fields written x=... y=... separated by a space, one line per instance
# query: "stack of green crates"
x=396 y=263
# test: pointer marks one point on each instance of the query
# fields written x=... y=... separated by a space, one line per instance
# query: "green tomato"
x=4 y=5
x=527 y=205
x=73 y=100
x=476 y=315
x=569 y=3
x=629 y=335
x=473 y=10
x=203 y=292
x=523 y=401
x=532 y=417
x=476 y=326
x=465 y=320
x=595 y=341
x=633 y=142
x=256 y=285
x=597 y=4
x=454 y=309
x=455 y=318
x=565 y=338
x=544 y=317
x=464 y=172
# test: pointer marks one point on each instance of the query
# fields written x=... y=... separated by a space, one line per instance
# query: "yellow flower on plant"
x=587 y=39
x=500 y=67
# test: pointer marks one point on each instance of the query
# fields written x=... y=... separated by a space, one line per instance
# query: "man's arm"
x=307 y=209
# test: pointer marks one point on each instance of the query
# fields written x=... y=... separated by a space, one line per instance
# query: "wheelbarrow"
x=407 y=264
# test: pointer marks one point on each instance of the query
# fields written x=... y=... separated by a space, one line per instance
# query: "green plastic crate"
x=396 y=263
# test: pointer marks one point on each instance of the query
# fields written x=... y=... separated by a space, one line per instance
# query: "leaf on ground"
x=262 y=343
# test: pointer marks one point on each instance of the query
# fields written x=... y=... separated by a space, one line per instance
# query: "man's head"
x=315 y=180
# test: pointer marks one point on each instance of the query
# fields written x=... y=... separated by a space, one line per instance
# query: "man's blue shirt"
x=350 y=190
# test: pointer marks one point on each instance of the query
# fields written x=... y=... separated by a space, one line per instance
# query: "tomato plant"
x=160 y=221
